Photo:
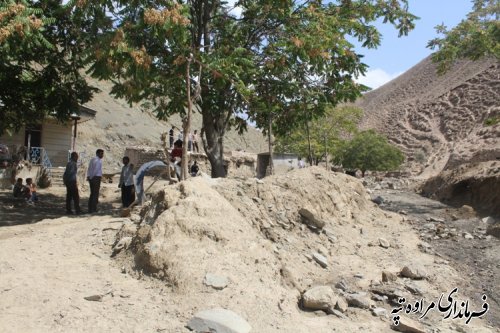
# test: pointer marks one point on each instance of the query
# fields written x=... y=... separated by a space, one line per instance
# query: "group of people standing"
x=126 y=182
x=193 y=139
x=94 y=177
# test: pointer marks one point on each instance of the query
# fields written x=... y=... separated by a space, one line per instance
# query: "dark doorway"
x=33 y=138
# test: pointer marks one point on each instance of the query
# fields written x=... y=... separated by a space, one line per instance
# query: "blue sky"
x=396 y=55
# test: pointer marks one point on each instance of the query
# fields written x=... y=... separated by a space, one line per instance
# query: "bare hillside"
x=118 y=125
x=441 y=123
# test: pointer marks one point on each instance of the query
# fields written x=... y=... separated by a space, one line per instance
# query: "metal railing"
x=38 y=156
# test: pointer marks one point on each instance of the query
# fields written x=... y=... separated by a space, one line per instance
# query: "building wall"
x=56 y=139
x=281 y=162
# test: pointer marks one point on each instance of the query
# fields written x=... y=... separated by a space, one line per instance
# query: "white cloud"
x=377 y=77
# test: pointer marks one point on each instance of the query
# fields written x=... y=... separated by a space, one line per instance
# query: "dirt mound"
x=477 y=185
x=265 y=251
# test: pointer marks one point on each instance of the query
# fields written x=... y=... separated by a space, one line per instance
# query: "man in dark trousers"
x=69 y=179
x=94 y=175
x=126 y=182
x=171 y=137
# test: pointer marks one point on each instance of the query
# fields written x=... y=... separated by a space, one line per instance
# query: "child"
x=19 y=189
x=31 y=193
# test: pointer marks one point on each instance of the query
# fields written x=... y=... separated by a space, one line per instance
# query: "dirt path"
x=64 y=261
x=457 y=237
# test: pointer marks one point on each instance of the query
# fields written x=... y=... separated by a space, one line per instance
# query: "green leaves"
x=324 y=134
x=474 y=37
x=369 y=151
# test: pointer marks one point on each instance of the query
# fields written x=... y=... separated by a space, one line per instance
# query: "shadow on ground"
x=14 y=211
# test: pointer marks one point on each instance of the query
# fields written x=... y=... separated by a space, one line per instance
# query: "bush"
x=370 y=151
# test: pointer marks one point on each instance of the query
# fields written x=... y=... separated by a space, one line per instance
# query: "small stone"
x=378 y=200
x=218 y=321
x=94 y=298
x=384 y=243
x=215 y=281
x=468 y=236
x=388 y=276
x=358 y=300
x=342 y=285
x=319 y=298
x=414 y=273
x=341 y=304
x=310 y=218
x=435 y=219
x=321 y=260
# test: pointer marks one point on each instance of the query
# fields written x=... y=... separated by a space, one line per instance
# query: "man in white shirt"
x=94 y=175
x=126 y=182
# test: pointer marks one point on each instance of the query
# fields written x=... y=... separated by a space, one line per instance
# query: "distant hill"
x=117 y=126
x=439 y=121
x=442 y=123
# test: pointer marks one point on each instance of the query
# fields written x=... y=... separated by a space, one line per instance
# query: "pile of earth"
x=299 y=252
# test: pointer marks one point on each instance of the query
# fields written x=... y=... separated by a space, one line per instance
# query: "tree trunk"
x=212 y=135
x=309 y=157
x=186 y=123
x=270 y=138
x=326 y=153
x=165 y=151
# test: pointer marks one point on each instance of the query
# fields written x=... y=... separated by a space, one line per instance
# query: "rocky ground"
x=307 y=251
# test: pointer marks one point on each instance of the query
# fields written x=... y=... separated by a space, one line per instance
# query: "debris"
x=218 y=321
x=215 y=281
x=321 y=260
x=414 y=273
x=309 y=217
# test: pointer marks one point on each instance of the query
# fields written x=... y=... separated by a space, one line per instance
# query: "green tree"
x=370 y=151
x=323 y=136
x=42 y=52
x=478 y=35
x=266 y=63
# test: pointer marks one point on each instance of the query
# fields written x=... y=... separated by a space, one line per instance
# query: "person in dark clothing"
x=194 y=169
x=19 y=190
x=69 y=179
x=126 y=182
x=171 y=137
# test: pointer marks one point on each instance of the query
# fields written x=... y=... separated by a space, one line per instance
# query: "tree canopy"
x=322 y=136
x=274 y=62
x=287 y=60
x=369 y=151
x=42 y=54
x=476 y=36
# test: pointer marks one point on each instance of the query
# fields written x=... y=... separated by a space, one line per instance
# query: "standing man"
x=94 y=175
x=127 y=182
x=171 y=137
x=69 y=179
x=195 y=142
